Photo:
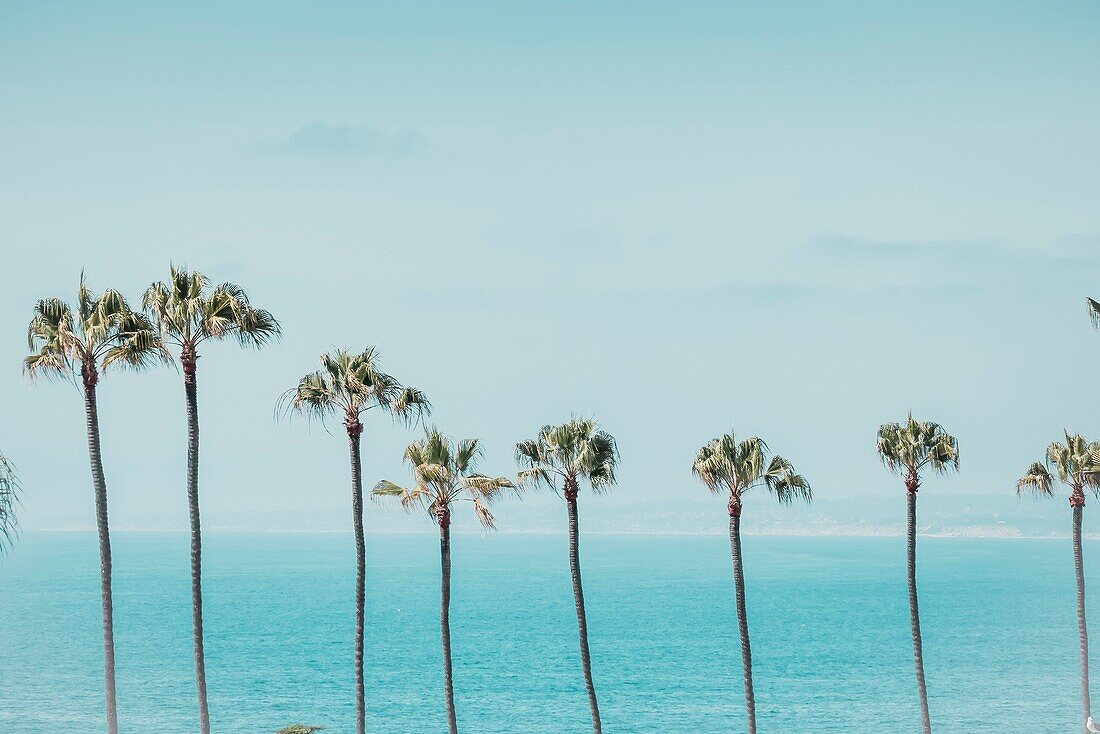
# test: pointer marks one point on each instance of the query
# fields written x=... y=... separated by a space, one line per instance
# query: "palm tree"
x=1075 y=463
x=906 y=449
x=101 y=332
x=444 y=474
x=726 y=466
x=9 y=499
x=352 y=384
x=188 y=313
x=570 y=452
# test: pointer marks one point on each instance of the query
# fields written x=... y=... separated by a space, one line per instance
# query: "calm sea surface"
x=828 y=619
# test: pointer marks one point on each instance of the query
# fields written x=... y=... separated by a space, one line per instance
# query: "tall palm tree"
x=102 y=331
x=569 y=453
x=1076 y=464
x=726 y=466
x=352 y=384
x=9 y=499
x=906 y=449
x=188 y=313
x=444 y=473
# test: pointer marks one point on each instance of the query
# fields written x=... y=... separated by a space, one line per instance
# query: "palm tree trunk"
x=578 y=600
x=445 y=618
x=742 y=616
x=1082 y=628
x=914 y=613
x=188 y=358
x=100 y=485
x=355 y=430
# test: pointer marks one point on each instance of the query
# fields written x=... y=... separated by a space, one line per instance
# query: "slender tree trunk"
x=914 y=613
x=1082 y=628
x=100 y=485
x=445 y=616
x=742 y=614
x=355 y=430
x=578 y=599
x=188 y=359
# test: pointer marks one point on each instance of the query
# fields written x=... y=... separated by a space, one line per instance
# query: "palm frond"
x=314 y=397
x=598 y=458
x=54 y=345
x=483 y=515
x=751 y=461
x=137 y=345
x=9 y=502
x=786 y=484
x=386 y=488
x=487 y=488
x=467 y=454
x=714 y=464
x=534 y=478
x=530 y=453
x=407 y=497
x=1036 y=480
x=1091 y=469
x=411 y=405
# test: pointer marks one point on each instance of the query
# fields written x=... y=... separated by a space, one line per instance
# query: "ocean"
x=828 y=619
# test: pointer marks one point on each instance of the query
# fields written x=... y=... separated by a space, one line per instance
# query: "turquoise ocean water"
x=828 y=618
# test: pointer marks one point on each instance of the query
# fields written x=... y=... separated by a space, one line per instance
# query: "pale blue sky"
x=797 y=219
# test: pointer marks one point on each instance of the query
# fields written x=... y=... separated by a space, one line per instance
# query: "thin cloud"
x=857 y=263
x=1079 y=250
x=318 y=140
x=833 y=247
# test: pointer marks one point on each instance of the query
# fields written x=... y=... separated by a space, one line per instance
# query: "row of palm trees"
x=183 y=313
x=102 y=331
x=444 y=472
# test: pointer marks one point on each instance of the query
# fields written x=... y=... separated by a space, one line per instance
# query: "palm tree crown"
x=102 y=331
x=9 y=499
x=352 y=384
x=188 y=312
x=906 y=448
x=724 y=465
x=1075 y=463
x=572 y=450
x=445 y=473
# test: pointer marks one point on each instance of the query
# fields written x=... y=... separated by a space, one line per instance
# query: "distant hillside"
x=939 y=514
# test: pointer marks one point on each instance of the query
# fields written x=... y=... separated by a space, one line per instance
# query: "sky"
x=796 y=220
